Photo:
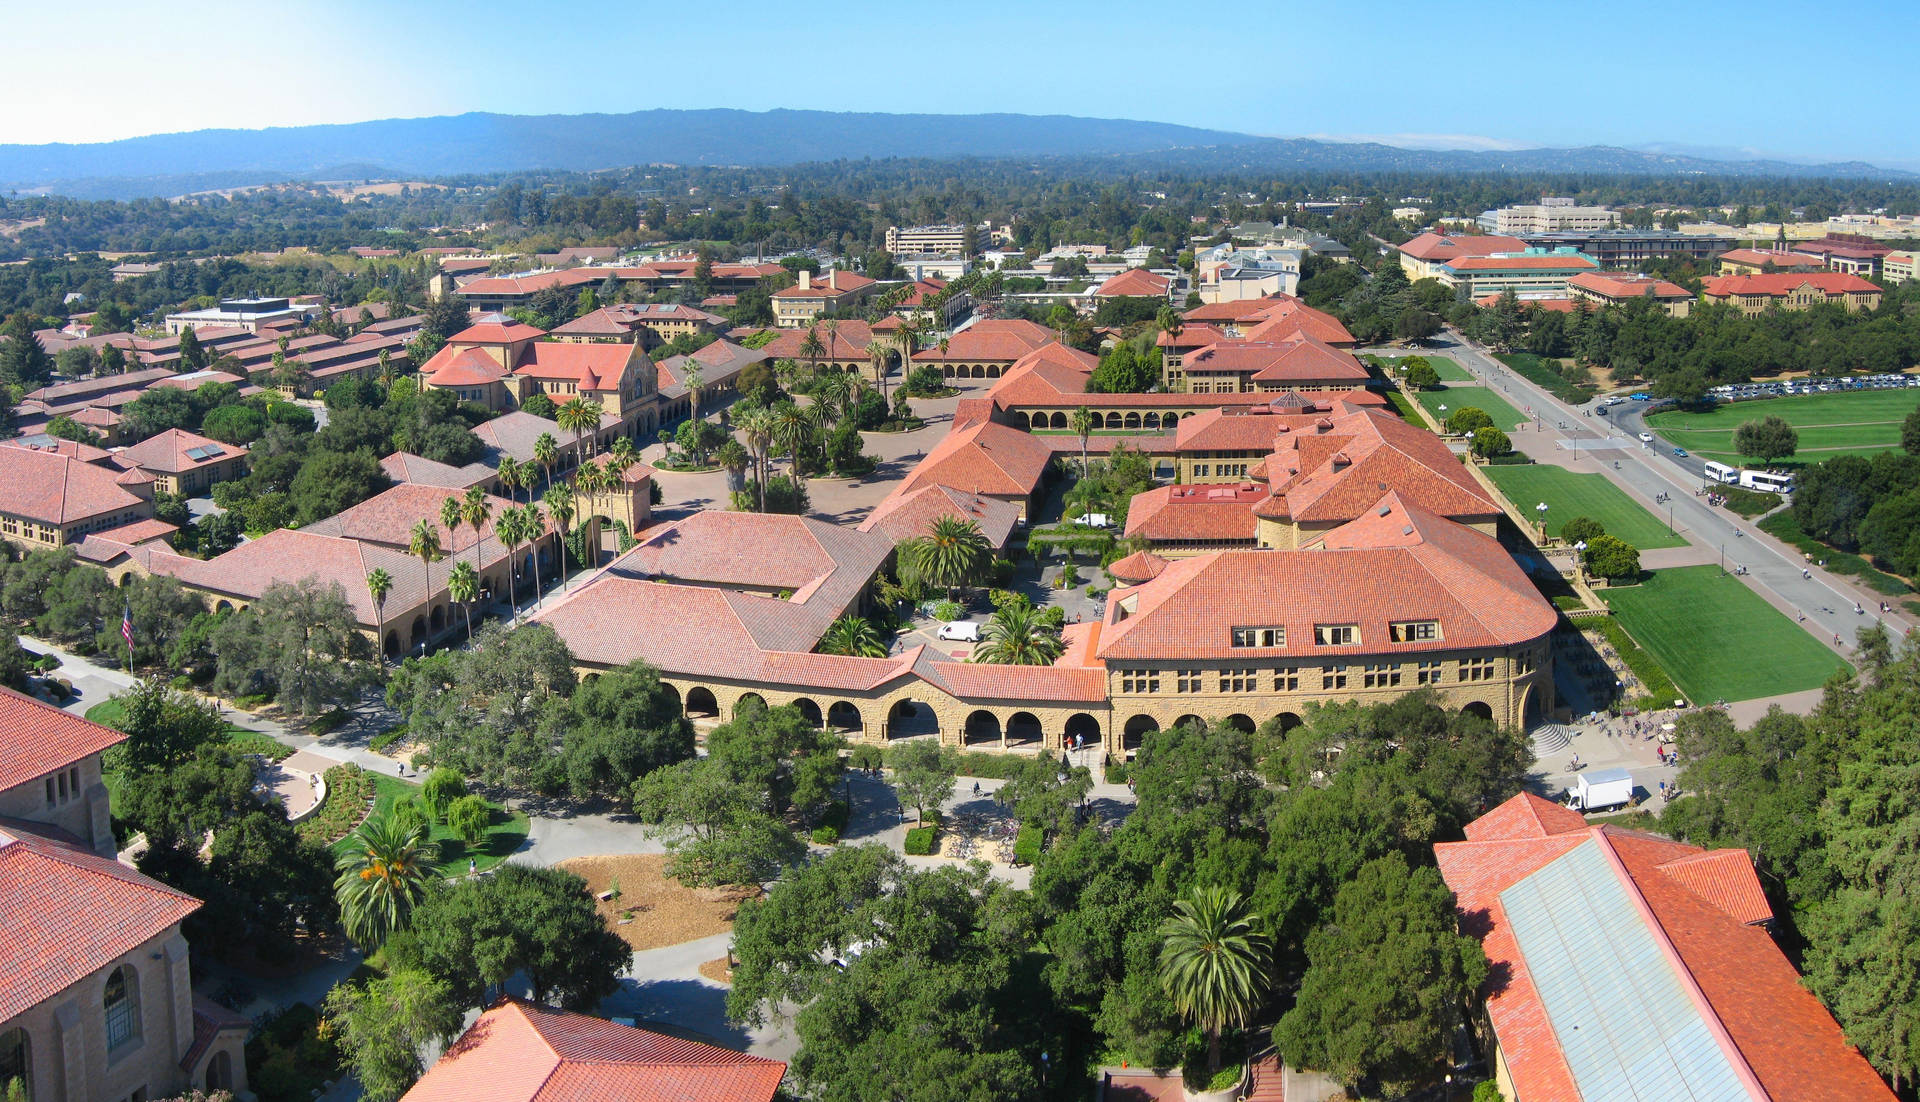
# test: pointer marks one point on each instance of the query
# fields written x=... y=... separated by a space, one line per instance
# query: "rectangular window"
x=1476 y=669
x=1286 y=679
x=1524 y=664
x=1333 y=677
x=73 y=779
x=1187 y=681
x=1414 y=631
x=1239 y=681
x=1336 y=635
x=1383 y=675
x=1139 y=681
x=50 y=800
x=63 y=787
x=1260 y=637
x=1430 y=672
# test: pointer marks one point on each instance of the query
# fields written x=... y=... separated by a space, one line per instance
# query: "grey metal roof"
x=1623 y=1016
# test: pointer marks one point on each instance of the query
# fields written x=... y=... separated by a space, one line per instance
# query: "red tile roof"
x=388 y=517
x=1336 y=471
x=1285 y=318
x=407 y=467
x=1177 y=514
x=993 y=339
x=523 y=1052
x=1782 y=284
x=1698 y=908
x=455 y=366
x=1134 y=283
x=1556 y=305
x=903 y=516
x=69 y=913
x=593 y=367
x=72 y=449
x=1141 y=566
x=828 y=284
x=496 y=329
x=1236 y=311
x=57 y=489
x=847 y=340
x=177 y=450
x=1623 y=286
x=1303 y=362
x=1433 y=569
x=1784 y=259
x=37 y=738
x=983 y=458
x=514 y=433
x=1440 y=247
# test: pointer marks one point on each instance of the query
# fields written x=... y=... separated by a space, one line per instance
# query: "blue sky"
x=1485 y=75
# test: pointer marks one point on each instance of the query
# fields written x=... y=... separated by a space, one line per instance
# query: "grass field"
x=504 y=835
x=1459 y=397
x=1717 y=638
x=1861 y=422
x=1448 y=371
x=1570 y=495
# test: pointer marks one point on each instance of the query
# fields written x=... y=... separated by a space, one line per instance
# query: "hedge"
x=1660 y=690
x=1785 y=528
x=975 y=763
x=1543 y=373
x=1026 y=844
x=919 y=841
x=826 y=835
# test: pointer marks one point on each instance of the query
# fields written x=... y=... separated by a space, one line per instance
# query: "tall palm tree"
x=384 y=873
x=424 y=545
x=695 y=380
x=853 y=635
x=756 y=430
x=463 y=585
x=811 y=348
x=509 y=474
x=546 y=452
x=560 y=503
x=451 y=517
x=1082 y=422
x=880 y=359
x=510 y=530
x=1213 y=962
x=624 y=454
x=833 y=343
x=830 y=396
x=582 y=418
x=534 y=526
x=793 y=429
x=954 y=553
x=1017 y=636
x=734 y=458
x=379 y=584
x=476 y=510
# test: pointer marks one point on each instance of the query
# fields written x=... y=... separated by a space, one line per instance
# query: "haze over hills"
x=169 y=164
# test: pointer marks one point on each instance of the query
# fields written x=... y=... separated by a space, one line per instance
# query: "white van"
x=959 y=631
x=1720 y=472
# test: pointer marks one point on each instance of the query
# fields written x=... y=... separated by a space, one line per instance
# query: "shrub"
x=836 y=816
x=920 y=841
x=977 y=763
x=330 y=722
x=442 y=787
x=1118 y=771
x=825 y=835
x=349 y=797
x=865 y=757
x=948 y=610
x=468 y=817
x=1026 y=844
x=387 y=738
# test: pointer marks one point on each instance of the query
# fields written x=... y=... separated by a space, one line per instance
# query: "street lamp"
x=1542 y=510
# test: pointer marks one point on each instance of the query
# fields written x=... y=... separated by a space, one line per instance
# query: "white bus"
x=1767 y=480
x=1720 y=472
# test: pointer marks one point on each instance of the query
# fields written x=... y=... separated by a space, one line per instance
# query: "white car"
x=1646 y=438
x=959 y=631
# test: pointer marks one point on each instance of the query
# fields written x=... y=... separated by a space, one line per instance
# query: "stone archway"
x=748 y=700
x=982 y=727
x=701 y=703
x=417 y=638
x=1479 y=708
x=391 y=645
x=671 y=692
x=844 y=716
x=1057 y=421
x=1240 y=721
x=1190 y=720
x=438 y=622
x=1132 y=421
x=912 y=719
x=1288 y=721
x=1023 y=728
x=1135 y=733
x=1084 y=727
x=810 y=711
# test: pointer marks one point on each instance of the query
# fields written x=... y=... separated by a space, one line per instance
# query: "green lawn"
x=1449 y=371
x=1459 y=397
x=508 y=830
x=1863 y=422
x=1717 y=638
x=1570 y=495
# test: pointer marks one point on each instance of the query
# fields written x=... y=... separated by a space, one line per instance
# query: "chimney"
x=833 y=279
x=806 y=279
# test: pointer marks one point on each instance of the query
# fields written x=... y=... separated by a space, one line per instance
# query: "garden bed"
x=350 y=798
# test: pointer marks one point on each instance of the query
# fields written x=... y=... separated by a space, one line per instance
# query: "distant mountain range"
x=170 y=164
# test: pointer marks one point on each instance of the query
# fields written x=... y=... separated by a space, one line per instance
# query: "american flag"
x=126 y=625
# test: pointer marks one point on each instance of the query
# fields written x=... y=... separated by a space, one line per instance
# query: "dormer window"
x=1260 y=636
x=1336 y=635
x=1415 y=631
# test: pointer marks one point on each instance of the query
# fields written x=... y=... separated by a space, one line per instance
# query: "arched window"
x=16 y=1060
x=122 y=1007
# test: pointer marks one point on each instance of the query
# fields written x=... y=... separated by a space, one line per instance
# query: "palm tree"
x=582 y=418
x=793 y=429
x=833 y=343
x=384 y=873
x=546 y=452
x=953 y=554
x=830 y=396
x=695 y=380
x=379 y=584
x=509 y=474
x=425 y=546
x=476 y=510
x=510 y=531
x=880 y=358
x=732 y=456
x=1213 y=962
x=463 y=585
x=451 y=516
x=853 y=635
x=560 y=503
x=1082 y=422
x=811 y=348
x=1017 y=636
x=756 y=429
x=534 y=526
x=624 y=454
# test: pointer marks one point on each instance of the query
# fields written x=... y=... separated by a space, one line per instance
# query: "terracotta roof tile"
x=1548 y=263
x=994 y=339
x=1187 y=513
x=903 y=516
x=983 y=458
x=1134 y=283
x=1781 y=284
x=407 y=467
x=57 y=489
x=177 y=450
x=1783 y=259
x=1624 y=286
x=846 y=340
x=37 y=738
x=1436 y=246
x=69 y=913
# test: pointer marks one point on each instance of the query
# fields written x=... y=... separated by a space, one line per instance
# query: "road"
x=1826 y=600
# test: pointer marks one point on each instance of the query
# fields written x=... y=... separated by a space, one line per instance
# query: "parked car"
x=959 y=631
x=1643 y=396
x=1681 y=452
